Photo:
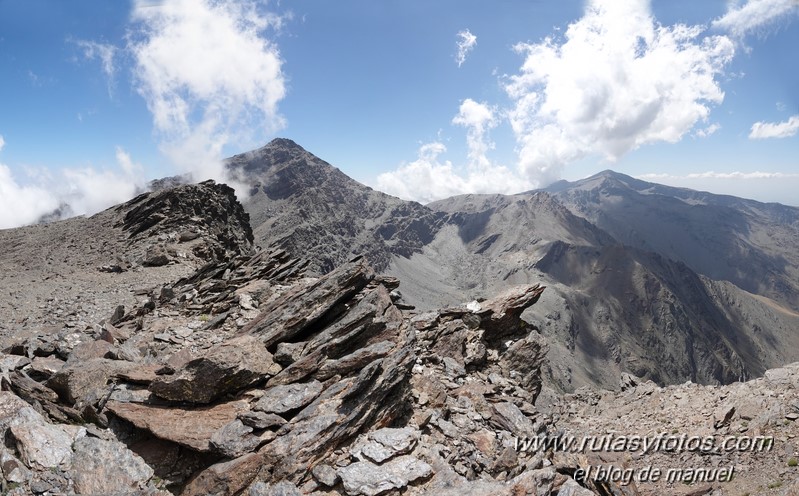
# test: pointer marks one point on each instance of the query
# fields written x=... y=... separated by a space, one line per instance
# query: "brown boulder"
x=226 y=368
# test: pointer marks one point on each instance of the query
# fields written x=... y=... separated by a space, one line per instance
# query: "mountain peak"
x=283 y=143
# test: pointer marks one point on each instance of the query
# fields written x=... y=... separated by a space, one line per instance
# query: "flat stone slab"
x=191 y=427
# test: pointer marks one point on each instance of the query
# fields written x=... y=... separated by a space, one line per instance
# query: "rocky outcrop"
x=205 y=216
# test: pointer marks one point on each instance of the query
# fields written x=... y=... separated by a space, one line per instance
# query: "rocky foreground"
x=234 y=373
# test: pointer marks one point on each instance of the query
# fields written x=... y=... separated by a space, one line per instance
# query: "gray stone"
x=282 y=399
x=509 y=417
x=107 y=467
x=44 y=445
x=387 y=443
x=368 y=479
x=86 y=381
x=234 y=440
x=325 y=475
x=282 y=488
x=12 y=469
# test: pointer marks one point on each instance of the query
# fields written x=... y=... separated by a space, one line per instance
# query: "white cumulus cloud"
x=81 y=191
x=478 y=119
x=753 y=15
x=765 y=130
x=87 y=190
x=428 y=178
x=616 y=81
x=22 y=204
x=466 y=43
x=209 y=75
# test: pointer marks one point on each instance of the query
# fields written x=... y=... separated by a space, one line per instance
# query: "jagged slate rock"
x=509 y=417
x=228 y=367
x=500 y=316
x=31 y=390
x=35 y=393
x=288 y=353
x=354 y=361
x=389 y=442
x=44 y=445
x=344 y=410
x=225 y=478
x=282 y=488
x=367 y=320
x=191 y=427
x=86 y=381
x=107 y=467
x=506 y=459
x=325 y=475
x=127 y=393
x=368 y=479
x=261 y=420
x=358 y=324
x=234 y=440
x=12 y=469
x=44 y=367
x=723 y=415
x=525 y=358
x=288 y=316
x=299 y=370
x=283 y=399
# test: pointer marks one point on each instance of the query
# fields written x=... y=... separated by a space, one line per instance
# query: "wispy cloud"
x=707 y=131
x=105 y=53
x=209 y=75
x=616 y=81
x=765 y=130
x=722 y=175
x=466 y=43
x=755 y=15
x=763 y=186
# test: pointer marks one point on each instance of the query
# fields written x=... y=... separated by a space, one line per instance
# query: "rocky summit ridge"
x=167 y=353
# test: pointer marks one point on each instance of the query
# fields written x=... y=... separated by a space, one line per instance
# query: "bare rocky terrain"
x=182 y=343
x=617 y=302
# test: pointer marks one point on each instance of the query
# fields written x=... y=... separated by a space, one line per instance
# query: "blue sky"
x=420 y=99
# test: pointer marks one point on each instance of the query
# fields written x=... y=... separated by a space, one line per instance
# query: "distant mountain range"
x=666 y=283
